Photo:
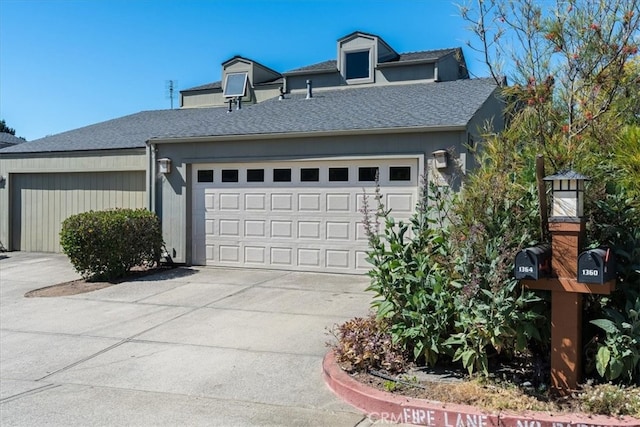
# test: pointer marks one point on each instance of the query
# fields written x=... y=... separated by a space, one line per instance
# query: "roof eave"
x=289 y=135
x=12 y=154
x=307 y=72
x=411 y=62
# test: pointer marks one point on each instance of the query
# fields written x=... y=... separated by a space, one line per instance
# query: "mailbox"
x=596 y=266
x=533 y=263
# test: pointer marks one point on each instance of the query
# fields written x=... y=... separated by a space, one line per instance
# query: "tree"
x=5 y=129
x=573 y=97
x=570 y=66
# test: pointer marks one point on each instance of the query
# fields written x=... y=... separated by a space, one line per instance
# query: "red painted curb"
x=380 y=405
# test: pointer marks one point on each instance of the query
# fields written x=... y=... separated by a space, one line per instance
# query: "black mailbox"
x=596 y=266
x=533 y=263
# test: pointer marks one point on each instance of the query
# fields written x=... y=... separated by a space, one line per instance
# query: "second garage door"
x=40 y=202
x=301 y=216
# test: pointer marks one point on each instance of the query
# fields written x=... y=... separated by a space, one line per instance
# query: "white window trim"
x=244 y=87
x=372 y=68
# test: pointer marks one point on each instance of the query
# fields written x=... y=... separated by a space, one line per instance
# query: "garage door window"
x=230 y=175
x=255 y=175
x=205 y=175
x=309 y=174
x=367 y=174
x=282 y=175
x=400 y=173
x=338 y=174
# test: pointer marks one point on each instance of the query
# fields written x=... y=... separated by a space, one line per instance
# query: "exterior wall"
x=215 y=98
x=384 y=75
x=99 y=161
x=324 y=80
x=40 y=202
x=405 y=73
x=448 y=69
x=203 y=98
x=173 y=191
x=488 y=119
x=262 y=93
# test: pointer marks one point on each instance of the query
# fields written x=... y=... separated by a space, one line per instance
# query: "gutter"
x=151 y=173
x=290 y=135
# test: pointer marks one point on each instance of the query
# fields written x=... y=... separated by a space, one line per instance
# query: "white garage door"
x=302 y=215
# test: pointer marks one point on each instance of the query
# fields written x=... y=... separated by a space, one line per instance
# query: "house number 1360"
x=589 y=272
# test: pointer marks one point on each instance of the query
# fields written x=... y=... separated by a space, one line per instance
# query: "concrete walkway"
x=191 y=346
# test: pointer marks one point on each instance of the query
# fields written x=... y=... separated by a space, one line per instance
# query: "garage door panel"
x=297 y=225
x=255 y=202
x=281 y=202
x=309 y=229
x=309 y=202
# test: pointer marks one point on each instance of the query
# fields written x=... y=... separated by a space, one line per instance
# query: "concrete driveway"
x=191 y=346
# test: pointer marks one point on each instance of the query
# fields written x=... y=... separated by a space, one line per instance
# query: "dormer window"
x=358 y=65
x=235 y=85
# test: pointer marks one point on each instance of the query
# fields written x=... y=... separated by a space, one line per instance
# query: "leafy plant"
x=412 y=288
x=105 y=245
x=619 y=355
x=497 y=321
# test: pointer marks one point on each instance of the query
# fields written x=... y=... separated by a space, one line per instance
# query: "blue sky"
x=65 y=64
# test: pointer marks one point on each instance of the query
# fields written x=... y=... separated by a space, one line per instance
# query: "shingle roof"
x=213 y=85
x=366 y=108
x=330 y=65
x=7 y=138
x=426 y=55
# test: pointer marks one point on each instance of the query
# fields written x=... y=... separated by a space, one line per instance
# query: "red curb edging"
x=388 y=407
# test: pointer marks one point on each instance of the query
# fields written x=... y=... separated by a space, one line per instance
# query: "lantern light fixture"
x=164 y=165
x=568 y=195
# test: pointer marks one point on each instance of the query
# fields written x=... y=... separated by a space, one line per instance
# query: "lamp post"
x=567 y=229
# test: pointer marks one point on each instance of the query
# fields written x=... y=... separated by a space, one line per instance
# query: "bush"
x=105 y=245
x=365 y=343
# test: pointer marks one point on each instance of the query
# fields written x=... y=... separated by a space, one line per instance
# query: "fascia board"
x=289 y=135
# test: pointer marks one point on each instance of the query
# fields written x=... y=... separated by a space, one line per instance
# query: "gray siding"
x=40 y=202
x=325 y=80
x=13 y=166
x=173 y=191
x=405 y=73
x=448 y=69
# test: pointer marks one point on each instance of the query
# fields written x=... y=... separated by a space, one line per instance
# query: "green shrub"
x=105 y=245
x=448 y=291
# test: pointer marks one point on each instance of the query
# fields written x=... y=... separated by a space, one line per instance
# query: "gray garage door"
x=41 y=201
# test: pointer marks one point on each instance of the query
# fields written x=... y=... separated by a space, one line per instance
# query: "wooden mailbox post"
x=567 y=229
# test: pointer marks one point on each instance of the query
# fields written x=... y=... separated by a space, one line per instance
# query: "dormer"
x=244 y=78
x=359 y=55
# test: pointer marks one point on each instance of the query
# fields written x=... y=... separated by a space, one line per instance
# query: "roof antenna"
x=170 y=87
x=309 y=89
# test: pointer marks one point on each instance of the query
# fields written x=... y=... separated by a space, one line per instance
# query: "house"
x=8 y=139
x=262 y=169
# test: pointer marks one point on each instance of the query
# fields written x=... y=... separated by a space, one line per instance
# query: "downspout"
x=151 y=176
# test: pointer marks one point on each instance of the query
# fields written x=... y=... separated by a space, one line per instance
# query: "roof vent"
x=281 y=96
x=309 y=90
